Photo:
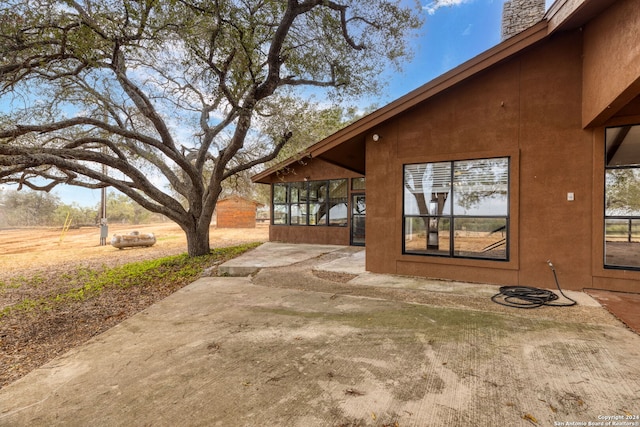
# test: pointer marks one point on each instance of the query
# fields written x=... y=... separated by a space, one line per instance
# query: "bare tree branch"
x=172 y=98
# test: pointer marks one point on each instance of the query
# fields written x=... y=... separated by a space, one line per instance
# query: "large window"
x=457 y=209
x=622 y=198
x=310 y=203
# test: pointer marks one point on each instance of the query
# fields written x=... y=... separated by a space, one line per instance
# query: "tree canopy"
x=164 y=100
x=36 y=208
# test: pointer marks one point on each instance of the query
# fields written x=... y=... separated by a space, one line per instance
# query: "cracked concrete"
x=291 y=347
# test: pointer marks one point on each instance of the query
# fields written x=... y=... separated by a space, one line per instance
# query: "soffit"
x=349 y=155
x=623 y=146
x=632 y=109
x=571 y=14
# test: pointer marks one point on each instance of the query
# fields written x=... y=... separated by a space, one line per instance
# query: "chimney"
x=518 y=15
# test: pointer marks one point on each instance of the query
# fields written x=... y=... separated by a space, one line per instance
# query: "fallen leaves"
x=354 y=392
x=530 y=418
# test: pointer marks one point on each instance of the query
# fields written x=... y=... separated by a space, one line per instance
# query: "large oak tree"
x=163 y=100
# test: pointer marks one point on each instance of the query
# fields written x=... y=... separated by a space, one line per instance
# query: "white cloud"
x=434 y=5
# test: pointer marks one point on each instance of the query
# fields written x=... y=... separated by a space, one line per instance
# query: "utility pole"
x=104 y=228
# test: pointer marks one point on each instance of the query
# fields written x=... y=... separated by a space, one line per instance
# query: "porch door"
x=358 y=213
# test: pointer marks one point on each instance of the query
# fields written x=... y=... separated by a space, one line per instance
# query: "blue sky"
x=452 y=34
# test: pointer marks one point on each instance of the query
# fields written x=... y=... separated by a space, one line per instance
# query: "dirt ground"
x=32 y=250
x=38 y=263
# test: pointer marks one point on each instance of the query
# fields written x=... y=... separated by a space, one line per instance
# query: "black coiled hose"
x=528 y=297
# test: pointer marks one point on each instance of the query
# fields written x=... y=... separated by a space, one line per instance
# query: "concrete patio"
x=286 y=346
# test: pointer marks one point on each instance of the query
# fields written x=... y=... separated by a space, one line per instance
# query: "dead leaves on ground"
x=353 y=392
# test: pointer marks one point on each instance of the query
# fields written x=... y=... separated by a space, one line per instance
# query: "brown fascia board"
x=462 y=72
x=571 y=14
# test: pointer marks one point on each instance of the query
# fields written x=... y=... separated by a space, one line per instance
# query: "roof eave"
x=569 y=14
x=473 y=66
x=260 y=178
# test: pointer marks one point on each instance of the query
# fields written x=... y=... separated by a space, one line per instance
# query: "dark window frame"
x=359 y=184
x=451 y=217
x=631 y=220
x=280 y=203
x=307 y=197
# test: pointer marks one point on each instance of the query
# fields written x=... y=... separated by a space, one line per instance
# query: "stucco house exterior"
x=526 y=153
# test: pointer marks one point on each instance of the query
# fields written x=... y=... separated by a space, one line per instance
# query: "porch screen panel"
x=280 y=204
x=338 y=202
x=317 y=203
x=622 y=198
x=298 y=198
x=311 y=203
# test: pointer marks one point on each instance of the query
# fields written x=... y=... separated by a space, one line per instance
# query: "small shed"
x=236 y=212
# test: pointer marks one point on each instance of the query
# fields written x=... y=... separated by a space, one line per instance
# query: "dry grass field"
x=25 y=251
x=38 y=265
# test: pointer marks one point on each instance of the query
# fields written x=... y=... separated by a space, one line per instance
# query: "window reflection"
x=314 y=203
x=458 y=208
x=622 y=197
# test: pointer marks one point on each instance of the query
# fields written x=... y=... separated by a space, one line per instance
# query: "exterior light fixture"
x=376 y=137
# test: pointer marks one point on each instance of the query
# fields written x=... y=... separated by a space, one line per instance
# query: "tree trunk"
x=197 y=240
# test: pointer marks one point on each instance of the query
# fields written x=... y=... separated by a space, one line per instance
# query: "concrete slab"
x=225 y=352
x=351 y=263
x=453 y=287
x=407 y=282
x=272 y=255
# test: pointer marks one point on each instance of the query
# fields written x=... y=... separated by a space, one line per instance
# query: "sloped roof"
x=240 y=198
x=563 y=14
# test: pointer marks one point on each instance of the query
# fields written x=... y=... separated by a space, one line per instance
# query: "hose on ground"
x=529 y=297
